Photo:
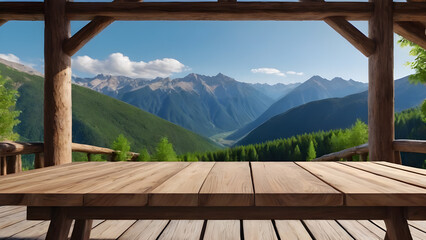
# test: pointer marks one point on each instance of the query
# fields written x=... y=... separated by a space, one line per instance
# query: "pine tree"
x=144 y=155
x=122 y=146
x=296 y=153
x=8 y=114
x=164 y=151
x=311 y=151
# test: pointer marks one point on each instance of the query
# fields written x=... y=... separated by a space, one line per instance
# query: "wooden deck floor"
x=14 y=226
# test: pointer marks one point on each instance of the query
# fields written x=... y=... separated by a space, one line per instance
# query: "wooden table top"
x=217 y=184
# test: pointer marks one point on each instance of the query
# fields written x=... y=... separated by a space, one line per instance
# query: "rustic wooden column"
x=381 y=83
x=57 y=86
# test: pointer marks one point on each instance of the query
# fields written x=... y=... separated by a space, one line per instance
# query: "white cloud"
x=294 y=73
x=118 y=64
x=272 y=71
x=10 y=57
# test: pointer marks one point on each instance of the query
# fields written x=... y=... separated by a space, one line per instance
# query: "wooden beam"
x=57 y=86
x=84 y=35
x=413 y=31
x=32 y=11
x=361 y=42
x=408 y=145
x=381 y=84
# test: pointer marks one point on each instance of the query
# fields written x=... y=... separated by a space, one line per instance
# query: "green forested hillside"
x=99 y=119
x=409 y=124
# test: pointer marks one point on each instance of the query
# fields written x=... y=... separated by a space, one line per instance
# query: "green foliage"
x=164 y=151
x=122 y=146
x=144 y=155
x=419 y=65
x=297 y=155
x=8 y=114
x=311 y=152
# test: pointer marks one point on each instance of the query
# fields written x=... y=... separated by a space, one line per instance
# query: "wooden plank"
x=145 y=230
x=9 y=148
x=222 y=229
x=373 y=228
x=402 y=167
x=400 y=175
x=16 y=228
x=33 y=11
x=381 y=131
x=327 y=229
x=296 y=187
x=134 y=189
x=183 y=229
x=421 y=225
x=36 y=232
x=111 y=229
x=12 y=219
x=366 y=189
x=181 y=189
x=291 y=229
x=409 y=145
x=228 y=184
x=11 y=210
x=259 y=229
x=416 y=234
x=57 y=85
x=357 y=230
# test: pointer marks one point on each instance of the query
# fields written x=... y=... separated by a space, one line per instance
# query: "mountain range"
x=313 y=89
x=332 y=113
x=206 y=105
x=98 y=119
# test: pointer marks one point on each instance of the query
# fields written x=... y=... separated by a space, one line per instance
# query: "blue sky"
x=247 y=51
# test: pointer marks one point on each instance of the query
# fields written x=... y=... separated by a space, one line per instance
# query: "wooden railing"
x=11 y=160
x=399 y=145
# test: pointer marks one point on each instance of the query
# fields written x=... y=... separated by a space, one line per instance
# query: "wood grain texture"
x=415 y=233
x=327 y=229
x=145 y=230
x=259 y=229
x=366 y=189
x=408 y=145
x=279 y=184
x=373 y=228
x=39 y=160
x=222 y=229
x=33 y=11
x=228 y=184
x=381 y=84
x=133 y=190
x=183 y=229
x=292 y=229
x=357 y=150
x=3 y=166
x=181 y=189
x=57 y=85
x=9 y=148
x=400 y=175
x=110 y=229
x=357 y=230
x=82 y=229
x=413 y=31
x=402 y=167
x=397 y=225
x=59 y=226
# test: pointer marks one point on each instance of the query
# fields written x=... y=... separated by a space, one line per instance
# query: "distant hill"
x=316 y=88
x=206 y=105
x=331 y=113
x=99 y=119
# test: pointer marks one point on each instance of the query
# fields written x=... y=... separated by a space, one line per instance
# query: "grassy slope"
x=98 y=119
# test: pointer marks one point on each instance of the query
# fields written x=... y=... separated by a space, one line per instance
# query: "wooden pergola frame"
x=384 y=16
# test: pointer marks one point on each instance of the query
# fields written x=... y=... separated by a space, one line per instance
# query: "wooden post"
x=39 y=160
x=13 y=164
x=3 y=170
x=82 y=229
x=57 y=86
x=381 y=83
x=89 y=157
x=397 y=225
x=59 y=225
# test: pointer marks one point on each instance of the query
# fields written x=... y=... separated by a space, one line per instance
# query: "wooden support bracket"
x=361 y=42
x=93 y=28
x=2 y=21
x=413 y=31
